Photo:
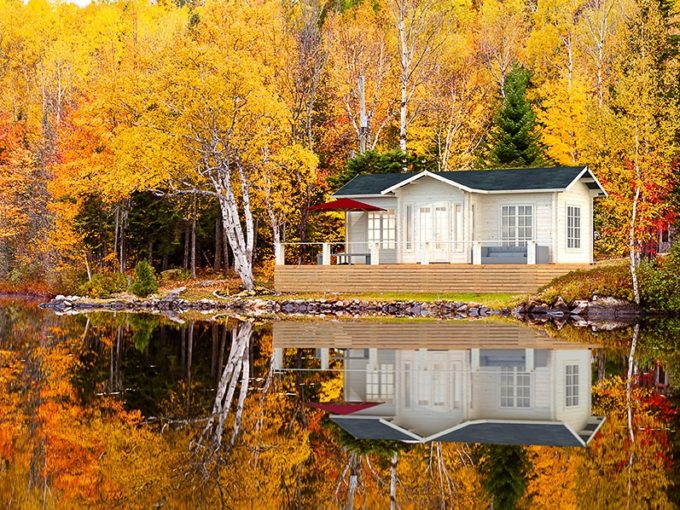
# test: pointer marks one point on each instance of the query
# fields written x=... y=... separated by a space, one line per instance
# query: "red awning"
x=343 y=408
x=345 y=204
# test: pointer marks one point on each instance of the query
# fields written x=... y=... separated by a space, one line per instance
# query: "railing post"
x=531 y=252
x=326 y=254
x=476 y=252
x=375 y=253
x=425 y=254
x=279 y=254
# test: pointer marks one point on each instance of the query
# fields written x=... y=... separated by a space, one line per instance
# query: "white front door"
x=434 y=231
x=441 y=231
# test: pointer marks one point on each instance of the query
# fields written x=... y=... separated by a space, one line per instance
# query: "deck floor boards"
x=519 y=279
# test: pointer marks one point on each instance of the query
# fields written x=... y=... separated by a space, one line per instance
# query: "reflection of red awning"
x=346 y=408
x=345 y=204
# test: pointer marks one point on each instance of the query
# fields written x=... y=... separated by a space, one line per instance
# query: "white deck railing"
x=423 y=251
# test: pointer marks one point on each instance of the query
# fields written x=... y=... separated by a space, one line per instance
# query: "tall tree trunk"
x=193 y=246
x=217 y=264
x=225 y=252
x=187 y=238
x=632 y=250
x=405 y=69
x=393 y=480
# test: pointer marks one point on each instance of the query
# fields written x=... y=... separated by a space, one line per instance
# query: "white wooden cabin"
x=534 y=216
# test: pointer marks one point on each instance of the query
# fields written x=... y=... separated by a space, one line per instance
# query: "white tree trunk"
x=393 y=481
x=405 y=68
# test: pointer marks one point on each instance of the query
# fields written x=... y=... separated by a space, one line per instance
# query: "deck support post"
x=324 y=357
x=278 y=358
x=531 y=252
x=375 y=253
x=476 y=253
x=425 y=253
x=279 y=254
x=326 y=254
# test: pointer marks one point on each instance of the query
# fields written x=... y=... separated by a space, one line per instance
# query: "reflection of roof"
x=371 y=427
x=480 y=181
x=505 y=432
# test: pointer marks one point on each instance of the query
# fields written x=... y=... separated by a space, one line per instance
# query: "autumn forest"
x=195 y=135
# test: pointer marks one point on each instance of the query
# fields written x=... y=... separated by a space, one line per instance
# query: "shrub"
x=660 y=282
x=145 y=282
x=103 y=285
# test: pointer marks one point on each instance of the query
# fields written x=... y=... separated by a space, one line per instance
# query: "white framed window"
x=573 y=227
x=380 y=383
x=457 y=227
x=515 y=388
x=517 y=224
x=571 y=386
x=382 y=228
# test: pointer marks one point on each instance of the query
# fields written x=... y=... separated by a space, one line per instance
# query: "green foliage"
x=505 y=471
x=143 y=326
x=614 y=281
x=145 y=280
x=175 y=275
x=103 y=285
x=374 y=162
x=660 y=282
x=513 y=141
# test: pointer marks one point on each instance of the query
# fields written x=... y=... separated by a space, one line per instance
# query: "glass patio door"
x=434 y=229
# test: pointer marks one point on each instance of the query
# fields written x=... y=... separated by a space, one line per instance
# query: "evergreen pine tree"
x=145 y=282
x=505 y=471
x=374 y=162
x=513 y=141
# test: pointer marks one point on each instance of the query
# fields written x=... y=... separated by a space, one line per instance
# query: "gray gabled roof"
x=482 y=181
x=503 y=432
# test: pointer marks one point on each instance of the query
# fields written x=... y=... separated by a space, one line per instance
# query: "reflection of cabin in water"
x=475 y=382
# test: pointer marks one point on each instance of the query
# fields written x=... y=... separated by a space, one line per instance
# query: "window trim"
x=580 y=227
x=571 y=398
x=386 y=242
x=516 y=241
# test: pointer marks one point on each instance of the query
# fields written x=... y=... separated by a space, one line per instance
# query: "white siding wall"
x=357 y=230
x=578 y=196
x=575 y=416
x=489 y=215
x=423 y=192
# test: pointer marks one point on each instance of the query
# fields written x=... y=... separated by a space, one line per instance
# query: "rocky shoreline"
x=599 y=308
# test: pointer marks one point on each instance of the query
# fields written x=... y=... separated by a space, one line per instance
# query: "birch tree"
x=361 y=70
x=419 y=26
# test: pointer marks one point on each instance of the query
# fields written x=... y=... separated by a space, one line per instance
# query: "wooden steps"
x=503 y=278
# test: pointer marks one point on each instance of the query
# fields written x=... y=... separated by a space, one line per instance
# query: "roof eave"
x=426 y=173
x=580 y=176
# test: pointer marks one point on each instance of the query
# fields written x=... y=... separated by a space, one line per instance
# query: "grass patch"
x=492 y=300
x=608 y=280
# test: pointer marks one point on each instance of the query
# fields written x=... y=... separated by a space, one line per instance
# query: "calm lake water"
x=139 y=411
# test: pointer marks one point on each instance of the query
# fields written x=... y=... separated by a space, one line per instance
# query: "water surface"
x=138 y=411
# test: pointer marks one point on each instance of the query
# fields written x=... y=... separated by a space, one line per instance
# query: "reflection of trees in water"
x=271 y=448
x=237 y=369
x=505 y=472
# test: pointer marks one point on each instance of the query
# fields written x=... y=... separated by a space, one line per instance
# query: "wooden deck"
x=510 y=278
x=414 y=335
